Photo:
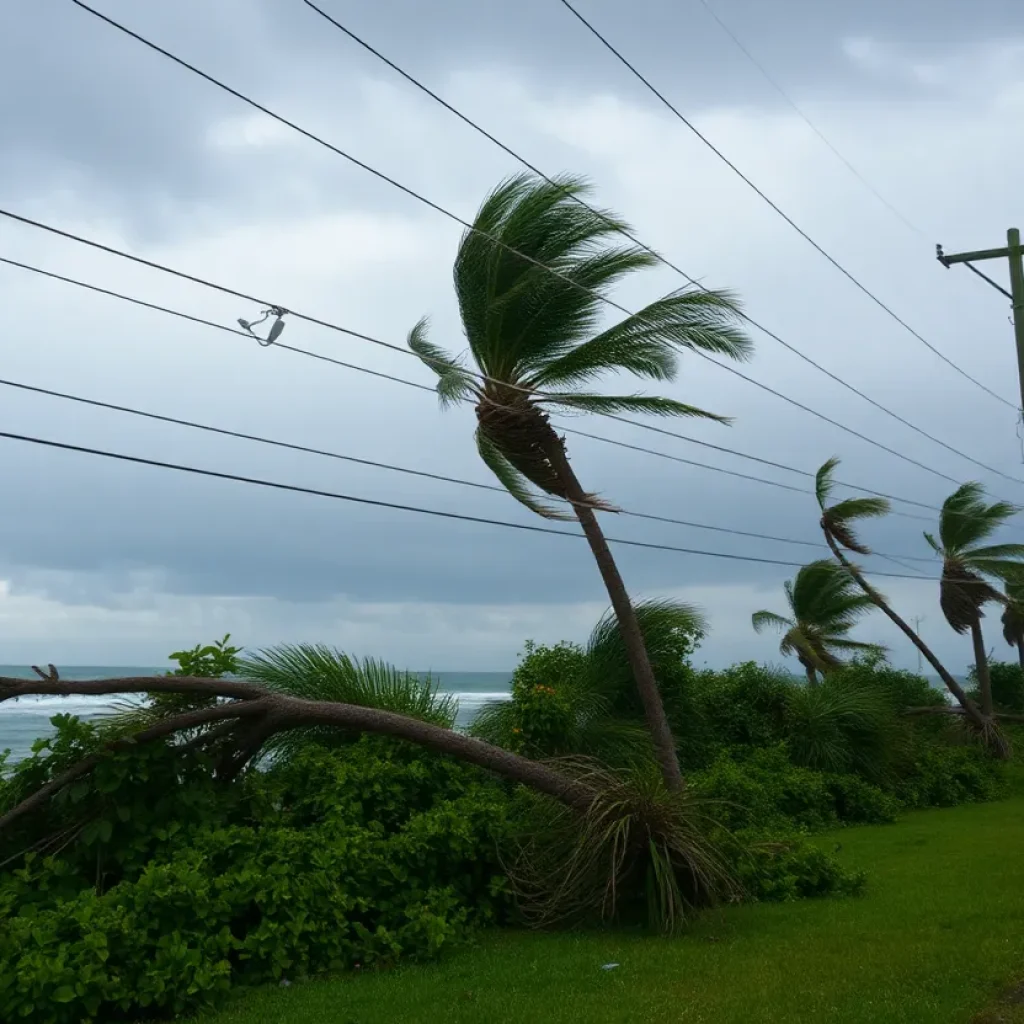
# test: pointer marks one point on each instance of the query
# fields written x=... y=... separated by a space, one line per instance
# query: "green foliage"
x=360 y=855
x=572 y=700
x=318 y=672
x=763 y=789
x=1007 y=685
x=947 y=774
x=780 y=866
x=533 y=334
x=824 y=604
x=845 y=724
x=210 y=661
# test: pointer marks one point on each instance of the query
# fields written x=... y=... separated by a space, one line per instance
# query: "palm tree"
x=1013 y=617
x=824 y=604
x=530 y=277
x=964 y=523
x=838 y=525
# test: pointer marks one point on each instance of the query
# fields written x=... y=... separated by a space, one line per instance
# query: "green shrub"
x=1007 y=685
x=763 y=789
x=365 y=854
x=777 y=866
x=943 y=775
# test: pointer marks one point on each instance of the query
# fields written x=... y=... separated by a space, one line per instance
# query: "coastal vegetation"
x=270 y=817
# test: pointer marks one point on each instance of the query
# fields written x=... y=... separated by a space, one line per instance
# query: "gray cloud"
x=114 y=143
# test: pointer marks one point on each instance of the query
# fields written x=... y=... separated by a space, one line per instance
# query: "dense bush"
x=1007 y=685
x=359 y=855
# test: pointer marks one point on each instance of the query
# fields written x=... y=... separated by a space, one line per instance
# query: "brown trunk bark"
x=282 y=713
x=812 y=676
x=970 y=708
x=981 y=667
x=629 y=624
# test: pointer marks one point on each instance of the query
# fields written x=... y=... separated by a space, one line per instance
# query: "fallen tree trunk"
x=260 y=713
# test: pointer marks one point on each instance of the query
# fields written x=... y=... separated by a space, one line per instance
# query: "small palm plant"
x=530 y=276
x=968 y=564
x=1013 y=617
x=824 y=603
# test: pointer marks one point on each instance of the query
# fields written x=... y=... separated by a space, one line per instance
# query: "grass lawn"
x=938 y=937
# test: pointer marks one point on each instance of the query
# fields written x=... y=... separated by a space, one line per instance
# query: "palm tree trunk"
x=629 y=624
x=981 y=666
x=1020 y=651
x=970 y=708
x=812 y=676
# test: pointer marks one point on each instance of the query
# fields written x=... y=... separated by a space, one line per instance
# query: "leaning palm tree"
x=838 y=522
x=824 y=604
x=530 y=277
x=1013 y=617
x=967 y=565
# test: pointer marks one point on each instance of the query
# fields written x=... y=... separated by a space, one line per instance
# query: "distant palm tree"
x=824 y=603
x=1013 y=618
x=535 y=338
x=838 y=522
x=964 y=522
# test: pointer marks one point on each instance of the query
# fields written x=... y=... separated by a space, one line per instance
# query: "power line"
x=467 y=225
x=789 y=220
x=423 y=387
x=723 y=25
x=527 y=527
x=426 y=90
x=208 y=428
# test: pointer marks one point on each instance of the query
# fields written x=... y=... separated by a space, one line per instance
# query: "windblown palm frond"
x=670 y=630
x=838 y=519
x=318 y=672
x=534 y=335
x=824 y=604
x=966 y=521
x=1013 y=613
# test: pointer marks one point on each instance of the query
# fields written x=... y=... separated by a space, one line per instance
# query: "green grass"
x=938 y=937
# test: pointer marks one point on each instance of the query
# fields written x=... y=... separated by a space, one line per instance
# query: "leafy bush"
x=944 y=775
x=763 y=789
x=847 y=723
x=362 y=854
x=1007 y=684
x=777 y=866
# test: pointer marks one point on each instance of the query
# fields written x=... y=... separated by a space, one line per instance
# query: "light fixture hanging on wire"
x=275 y=328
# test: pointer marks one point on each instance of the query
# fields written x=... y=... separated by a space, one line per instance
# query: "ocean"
x=27 y=719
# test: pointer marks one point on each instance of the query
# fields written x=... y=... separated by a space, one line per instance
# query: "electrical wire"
x=376 y=503
x=789 y=220
x=467 y=225
x=423 y=387
x=223 y=431
x=426 y=90
x=774 y=83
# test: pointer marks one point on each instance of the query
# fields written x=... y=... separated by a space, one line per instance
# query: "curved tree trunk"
x=970 y=708
x=271 y=712
x=629 y=624
x=812 y=676
x=981 y=667
x=1020 y=650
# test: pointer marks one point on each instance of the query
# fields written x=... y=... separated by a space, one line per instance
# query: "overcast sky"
x=112 y=563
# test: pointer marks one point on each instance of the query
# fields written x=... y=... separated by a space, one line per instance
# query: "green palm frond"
x=644 y=343
x=321 y=673
x=650 y=405
x=666 y=627
x=966 y=519
x=454 y=382
x=1013 y=613
x=838 y=519
x=516 y=482
x=763 y=620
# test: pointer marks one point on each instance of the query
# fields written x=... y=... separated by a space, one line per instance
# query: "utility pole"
x=1013 y=254
x=918 y=619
